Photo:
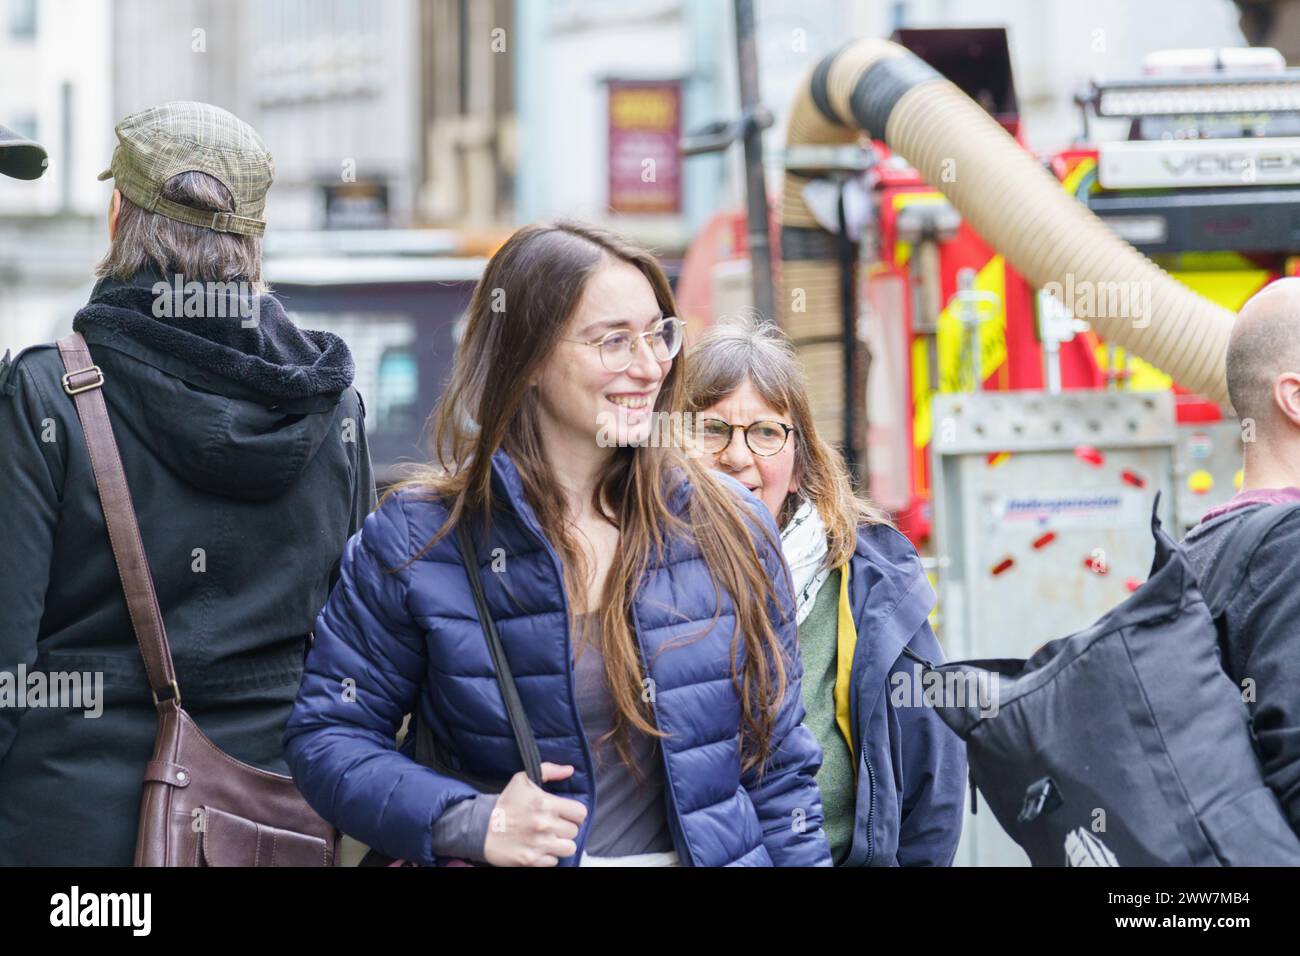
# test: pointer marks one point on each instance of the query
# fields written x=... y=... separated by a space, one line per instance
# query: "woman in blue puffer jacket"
x=644 y=608
x=893 y=775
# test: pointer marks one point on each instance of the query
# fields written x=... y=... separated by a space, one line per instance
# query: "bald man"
x=1260 y=633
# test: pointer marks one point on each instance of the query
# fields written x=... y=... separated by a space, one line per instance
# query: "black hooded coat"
x=244 y=448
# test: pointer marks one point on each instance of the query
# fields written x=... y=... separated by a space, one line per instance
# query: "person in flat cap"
x=243 y=443
x=20 y=157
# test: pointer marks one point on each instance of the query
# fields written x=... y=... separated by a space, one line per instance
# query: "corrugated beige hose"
x=1008 y=198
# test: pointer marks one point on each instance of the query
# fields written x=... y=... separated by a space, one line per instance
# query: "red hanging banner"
x=645 y=162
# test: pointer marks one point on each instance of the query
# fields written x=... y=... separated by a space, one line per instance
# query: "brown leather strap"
x=164 y=771
x=83 y=382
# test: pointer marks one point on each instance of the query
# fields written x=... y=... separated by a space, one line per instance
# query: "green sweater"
x=818 y=643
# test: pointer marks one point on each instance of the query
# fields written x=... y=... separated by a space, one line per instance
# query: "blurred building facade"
x=469 y=133
x=569 y=51
x=475 y=115
x=54 y=88
x=331 y=86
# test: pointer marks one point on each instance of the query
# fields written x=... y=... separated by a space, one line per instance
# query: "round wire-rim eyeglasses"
x=618 y=348
x=715 y=436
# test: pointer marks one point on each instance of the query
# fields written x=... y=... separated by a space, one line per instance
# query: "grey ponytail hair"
x=147 y=240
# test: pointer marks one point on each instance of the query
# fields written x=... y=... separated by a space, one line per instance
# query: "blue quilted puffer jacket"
x=389 y=644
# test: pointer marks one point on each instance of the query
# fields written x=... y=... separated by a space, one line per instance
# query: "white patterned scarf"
x=803 y=543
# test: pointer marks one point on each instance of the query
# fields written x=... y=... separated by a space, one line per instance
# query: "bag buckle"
x=175 y=695
x=97 y=382
x=1041 y=796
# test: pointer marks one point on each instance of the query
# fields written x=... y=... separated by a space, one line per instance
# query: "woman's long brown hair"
x=741 y=349
x=517 y=315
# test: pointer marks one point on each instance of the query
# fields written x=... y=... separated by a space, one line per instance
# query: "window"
x=22 y=19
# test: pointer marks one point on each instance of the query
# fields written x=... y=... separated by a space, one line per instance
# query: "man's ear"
x=114 y=208
x=1286 y=395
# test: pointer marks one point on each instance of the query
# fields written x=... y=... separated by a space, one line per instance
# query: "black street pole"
x=848 y=338
x=760 y=252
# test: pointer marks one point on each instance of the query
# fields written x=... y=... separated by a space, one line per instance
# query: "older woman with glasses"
x=893 y=775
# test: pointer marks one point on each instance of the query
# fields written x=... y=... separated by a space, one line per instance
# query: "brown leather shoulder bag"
x=201 y=806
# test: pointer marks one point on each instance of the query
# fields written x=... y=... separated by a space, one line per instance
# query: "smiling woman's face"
x=581 y=400
x=771 y=477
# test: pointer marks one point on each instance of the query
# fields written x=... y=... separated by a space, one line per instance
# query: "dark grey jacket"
x=245 y=452
x=1262 y=643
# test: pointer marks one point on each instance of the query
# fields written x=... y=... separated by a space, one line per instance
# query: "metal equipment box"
x=1042 y=507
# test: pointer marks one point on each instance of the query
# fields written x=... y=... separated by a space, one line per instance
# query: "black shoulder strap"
x=505 y=679
x=1229 y=569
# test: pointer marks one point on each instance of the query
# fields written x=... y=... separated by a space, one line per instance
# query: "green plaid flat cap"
x=161 y=142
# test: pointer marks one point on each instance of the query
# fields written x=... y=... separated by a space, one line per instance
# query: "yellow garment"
x=846 y=640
